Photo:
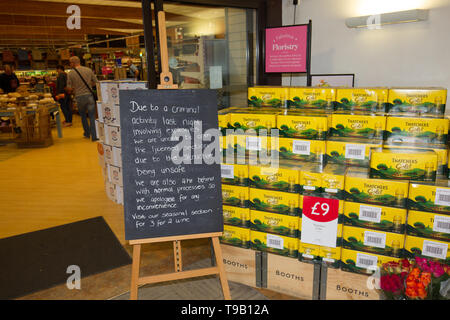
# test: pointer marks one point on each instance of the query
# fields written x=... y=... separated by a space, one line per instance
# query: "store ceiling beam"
x=42 y=21
x=51 y=31
x=88 y=11
x=66 y=37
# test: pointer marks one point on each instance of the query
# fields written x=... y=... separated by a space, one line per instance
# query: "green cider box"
x=235 y=174
x=424 y=101
x=284 y=203
x=274 y=223
x=360 y=188
x=363 y=262
x=362 y=99
x=301 y=150
x=236 y=236
x=430 y=197
x=417 y=131
x=253 y=121
x=427 y=248
x=235 y=196
x=404 y=164
x=268 y=97
x=351 y=151
x=273 y=243
x=298 y=125
x=285 y=178
x=357 y=125
x=311 y=98
x=428 y=225
x=373 y=241
x=381 y=218
x=235 y=216
x=441 y=152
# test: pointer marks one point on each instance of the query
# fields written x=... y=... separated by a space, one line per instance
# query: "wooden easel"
x=167 y=83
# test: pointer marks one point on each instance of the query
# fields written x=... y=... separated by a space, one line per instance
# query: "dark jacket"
x=9 y=83
x=61 y=82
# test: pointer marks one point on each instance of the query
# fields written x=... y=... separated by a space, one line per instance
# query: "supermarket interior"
x=327 y=124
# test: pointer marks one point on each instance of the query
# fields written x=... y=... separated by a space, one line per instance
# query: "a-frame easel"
x=136 y=280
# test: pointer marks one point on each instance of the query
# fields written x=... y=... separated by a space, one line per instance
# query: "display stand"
x=136 y=280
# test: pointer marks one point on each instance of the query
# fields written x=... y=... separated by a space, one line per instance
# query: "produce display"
x=382 y=152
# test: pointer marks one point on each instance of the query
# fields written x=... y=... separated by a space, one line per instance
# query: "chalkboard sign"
x=163 y=197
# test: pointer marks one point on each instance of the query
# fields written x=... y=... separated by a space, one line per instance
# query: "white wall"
x=408 y=54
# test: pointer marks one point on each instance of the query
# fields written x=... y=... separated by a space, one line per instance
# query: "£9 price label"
x=320 y=209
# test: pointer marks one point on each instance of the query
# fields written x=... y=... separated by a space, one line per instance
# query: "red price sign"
x=320 y=209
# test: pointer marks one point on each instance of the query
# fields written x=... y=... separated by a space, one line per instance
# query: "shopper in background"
x=81 y=79
x=51 y=84
x=62 y=97
x=33 y=83
x=133 y=71
x=8 y=80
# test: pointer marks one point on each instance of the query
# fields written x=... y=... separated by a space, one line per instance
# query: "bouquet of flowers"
x=417 y=278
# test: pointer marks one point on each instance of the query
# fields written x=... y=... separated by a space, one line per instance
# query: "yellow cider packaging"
x=428 y=225
x=417 y=130
x=311 y=179
x=350 y=125
x=430 y=197
x=283 y=178
x=427 y=248
x=255 y=121
x=441 y=152
x=311 y=98
x=275 y=202
x=360 y=188
x=333 y=181
x=223 y=120
x=236 y=236
x=361 y=99
x=302 y=149
x=355 y=152
x=363 y=262
x=273 y=243
x=387 y=219
x=274 y=223
x=404 y=164
x=234 y=174
x=266 y=96
x=373 y=241
x=244 y=145
x=417 y=101
x=235 y=216
x=235 y=196
x=303 y=126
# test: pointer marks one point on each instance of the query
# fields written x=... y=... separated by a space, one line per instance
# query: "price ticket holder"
x=136 y=280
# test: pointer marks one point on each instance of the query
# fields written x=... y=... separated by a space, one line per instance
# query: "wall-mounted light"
x=377 y=20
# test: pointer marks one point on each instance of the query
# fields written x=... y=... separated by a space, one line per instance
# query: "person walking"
x=81 y=79
x=8 y=80
x=62 y=97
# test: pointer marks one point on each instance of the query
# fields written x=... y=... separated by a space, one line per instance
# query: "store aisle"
x=46 y=187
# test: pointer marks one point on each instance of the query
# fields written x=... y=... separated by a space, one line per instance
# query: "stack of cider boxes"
x=356 y=129
x=417 y=136
x=413 y=143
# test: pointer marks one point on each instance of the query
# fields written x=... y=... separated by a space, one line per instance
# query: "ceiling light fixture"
x=377 y=20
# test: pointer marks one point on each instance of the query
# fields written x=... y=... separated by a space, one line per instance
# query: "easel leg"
x=220 y=266
x=135 y=271
x=177 y=256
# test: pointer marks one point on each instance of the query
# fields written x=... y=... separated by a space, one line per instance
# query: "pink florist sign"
x=286 y=49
